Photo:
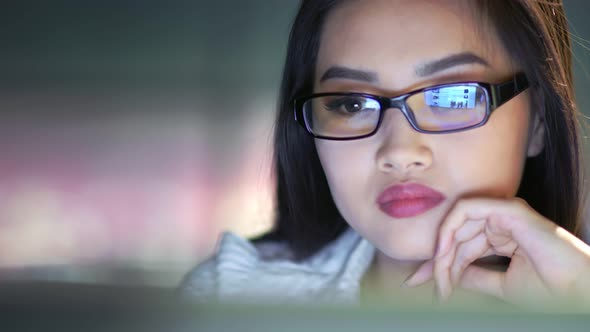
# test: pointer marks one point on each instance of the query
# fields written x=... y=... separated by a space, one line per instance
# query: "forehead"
x=392 y=37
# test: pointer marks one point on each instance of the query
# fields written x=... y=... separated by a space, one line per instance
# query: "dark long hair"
x=536 y=37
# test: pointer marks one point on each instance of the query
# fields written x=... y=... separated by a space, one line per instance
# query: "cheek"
x=490 y=160
x=492 y=172
x=348 y=167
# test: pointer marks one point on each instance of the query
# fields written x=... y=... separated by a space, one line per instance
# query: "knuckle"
x=520 y=202
x=462 y=203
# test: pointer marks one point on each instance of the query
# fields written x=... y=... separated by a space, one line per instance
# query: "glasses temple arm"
x=502 y=93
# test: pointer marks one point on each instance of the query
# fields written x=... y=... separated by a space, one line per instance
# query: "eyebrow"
x=464 y=58
x=349 y=73
x=422 y=70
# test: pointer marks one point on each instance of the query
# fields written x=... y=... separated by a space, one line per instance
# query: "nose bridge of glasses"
x=400 y=104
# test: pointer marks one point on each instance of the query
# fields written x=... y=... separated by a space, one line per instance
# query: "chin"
x=407 y=253
x=409 y=244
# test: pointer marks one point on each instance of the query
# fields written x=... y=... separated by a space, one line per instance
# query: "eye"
x=351 y=104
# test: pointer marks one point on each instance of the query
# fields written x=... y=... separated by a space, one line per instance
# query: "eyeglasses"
x=438 y=109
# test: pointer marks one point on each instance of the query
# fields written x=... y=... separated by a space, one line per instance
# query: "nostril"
x=388 y=166
x=404 y=159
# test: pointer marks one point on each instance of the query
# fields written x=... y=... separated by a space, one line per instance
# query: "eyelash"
x=337 y=104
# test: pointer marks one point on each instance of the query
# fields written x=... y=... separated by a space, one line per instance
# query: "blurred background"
x=133 y=132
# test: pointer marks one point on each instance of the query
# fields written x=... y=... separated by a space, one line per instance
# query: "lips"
x=410 y=200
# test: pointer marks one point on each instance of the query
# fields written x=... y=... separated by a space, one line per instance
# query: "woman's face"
x=393 y=41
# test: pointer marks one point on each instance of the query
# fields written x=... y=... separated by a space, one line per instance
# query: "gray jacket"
x=242 y=272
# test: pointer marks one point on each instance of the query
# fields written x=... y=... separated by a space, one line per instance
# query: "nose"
x=402 y=149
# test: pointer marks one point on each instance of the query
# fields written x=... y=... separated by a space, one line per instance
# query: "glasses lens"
x=449 y=108
x=341 y=116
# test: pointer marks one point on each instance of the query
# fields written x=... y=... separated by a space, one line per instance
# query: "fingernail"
x=420 y=276
x=407 y=283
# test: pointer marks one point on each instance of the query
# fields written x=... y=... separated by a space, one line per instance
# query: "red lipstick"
x=409 y=200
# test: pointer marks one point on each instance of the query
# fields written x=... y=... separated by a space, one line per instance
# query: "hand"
x=548 y=264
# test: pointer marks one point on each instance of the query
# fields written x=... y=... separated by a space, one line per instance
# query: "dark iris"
x=350 y=105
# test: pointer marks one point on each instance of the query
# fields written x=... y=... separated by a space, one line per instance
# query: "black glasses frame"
x=496 y=96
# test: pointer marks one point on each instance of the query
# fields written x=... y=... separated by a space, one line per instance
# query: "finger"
x=468 y=230
x=423 y=274
x=467 y=253
x=482 y=280
x=500 y=240
x=478 y=209
x=471 y=209
x=514 y=217
x=442 y=275
x=530 y=291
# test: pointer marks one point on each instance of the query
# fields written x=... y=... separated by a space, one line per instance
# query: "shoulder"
x=241 y=270
x=235 y=261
